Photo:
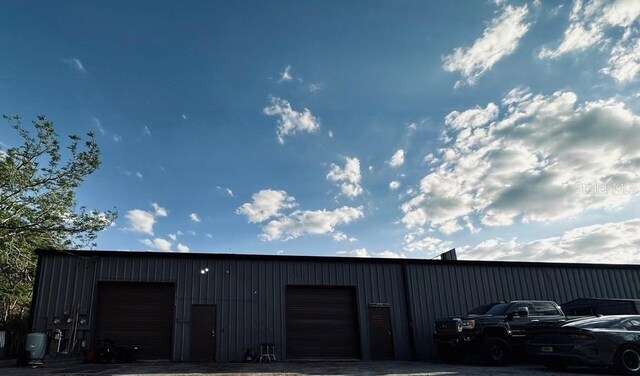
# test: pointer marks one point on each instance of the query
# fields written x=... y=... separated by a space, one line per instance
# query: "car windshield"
x=490 y=309
x=481 y=310
x=596 y=323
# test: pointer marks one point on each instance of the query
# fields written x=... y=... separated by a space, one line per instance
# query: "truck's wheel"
x=496 y=351
x=448 y=355
x=627 y=360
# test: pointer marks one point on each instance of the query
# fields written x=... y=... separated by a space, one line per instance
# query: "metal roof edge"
x=410 y=261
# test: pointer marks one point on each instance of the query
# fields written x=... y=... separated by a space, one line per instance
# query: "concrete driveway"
x=286 y=368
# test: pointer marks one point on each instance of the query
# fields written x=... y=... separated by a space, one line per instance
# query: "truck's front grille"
x=446 y=327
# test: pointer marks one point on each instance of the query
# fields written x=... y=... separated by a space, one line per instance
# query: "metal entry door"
x=203 y=332
x=381 y=334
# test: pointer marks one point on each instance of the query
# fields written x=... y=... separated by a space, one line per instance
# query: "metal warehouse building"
x=215 y=306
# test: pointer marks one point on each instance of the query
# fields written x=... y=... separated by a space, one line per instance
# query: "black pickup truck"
x=493 y=331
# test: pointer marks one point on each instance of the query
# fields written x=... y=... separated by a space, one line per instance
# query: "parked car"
x=492 y=331
x=600 y=306
x=607 y=341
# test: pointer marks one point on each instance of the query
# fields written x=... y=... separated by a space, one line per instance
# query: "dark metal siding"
x=249 y=291
x=450 y=289
x=249 y=294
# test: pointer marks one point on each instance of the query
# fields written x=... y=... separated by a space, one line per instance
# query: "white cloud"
x=547 y=158
x=191 y=232
x=472 y=118
x=330 y=133
x=363 y=252
x=147 y=131
x=76 y=64
x=96 y=121
x=416 y=241
x=226 y=191
x=498 y=40
x=397 y=159
x=116 y=138
x=266 y=204
x=314 y=87
x=339 y=236
x=159 y=211
x=183 y=116
x=209 y=236
x=290 y=121
x=285 y=76
x=603 y=243
x=158 y=243
x=598 y=23
x=360 y=252
x=182 y=248
x=394 y=185
x=139 y=175
x=173 y=237
x=300 y=223
x=194 y=217
x=624 y=63
x=347 y=178
x=140 y=221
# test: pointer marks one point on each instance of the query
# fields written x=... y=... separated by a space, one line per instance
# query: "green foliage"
x=38 y=209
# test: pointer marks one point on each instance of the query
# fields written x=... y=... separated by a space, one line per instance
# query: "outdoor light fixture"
x=205 y=270
x=56 y=321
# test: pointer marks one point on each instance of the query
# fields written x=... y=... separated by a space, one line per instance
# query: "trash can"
x=37 y=347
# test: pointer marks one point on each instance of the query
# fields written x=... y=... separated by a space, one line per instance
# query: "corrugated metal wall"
x=249 y=291
x=249 y=294
x=450 y=289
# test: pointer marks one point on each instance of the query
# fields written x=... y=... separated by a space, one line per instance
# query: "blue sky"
x=507 y=129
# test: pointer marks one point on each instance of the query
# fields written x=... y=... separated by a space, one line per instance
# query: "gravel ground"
x=285 y=368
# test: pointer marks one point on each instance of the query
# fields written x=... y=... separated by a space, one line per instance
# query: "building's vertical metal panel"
x=453 y=289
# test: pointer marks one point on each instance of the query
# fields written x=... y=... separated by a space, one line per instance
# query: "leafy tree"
x=38 y=208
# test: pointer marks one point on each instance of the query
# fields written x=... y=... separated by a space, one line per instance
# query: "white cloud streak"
x=76 y=64
x=158 y=243
x=194 y=217
x=599 y=23
x=617 y=242
x=499 y=39
x=364 y=253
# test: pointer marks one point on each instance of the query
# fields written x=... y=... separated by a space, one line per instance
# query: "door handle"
x=213 y=332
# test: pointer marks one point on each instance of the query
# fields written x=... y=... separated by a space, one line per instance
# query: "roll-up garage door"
x=322 y=323
x=136 y=315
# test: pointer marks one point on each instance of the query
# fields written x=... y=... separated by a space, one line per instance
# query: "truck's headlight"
x=467 y=324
